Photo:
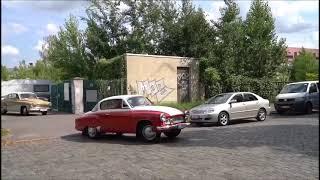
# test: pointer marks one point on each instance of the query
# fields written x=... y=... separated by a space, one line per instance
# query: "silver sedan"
x=230 y=106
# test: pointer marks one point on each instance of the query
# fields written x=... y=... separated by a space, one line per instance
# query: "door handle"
x=106 y=114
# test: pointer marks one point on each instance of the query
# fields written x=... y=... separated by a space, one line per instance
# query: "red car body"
x=128 y=118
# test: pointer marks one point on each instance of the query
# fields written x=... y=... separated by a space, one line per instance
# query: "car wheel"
x=173 y=133
x=4 y=111
x=44 y=112
x=93 y=132
x=262 y=115
x=223 y=119
x=308 y=109
x=148 y=134
x=24 y=111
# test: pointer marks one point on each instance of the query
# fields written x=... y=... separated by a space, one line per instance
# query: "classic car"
x=24 y=102
x=131 y=114
x=230 y=106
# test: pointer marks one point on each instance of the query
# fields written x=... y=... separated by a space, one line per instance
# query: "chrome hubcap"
x=223 y=119
x=262 y=115
x=148 y=132
x=92 y=131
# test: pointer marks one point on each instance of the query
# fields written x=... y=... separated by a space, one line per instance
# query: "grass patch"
x=182 y=106
x=4 y=132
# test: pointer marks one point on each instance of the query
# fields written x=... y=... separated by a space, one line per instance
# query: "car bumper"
x=203 y=118
x=39 y=109
x=172 y=126
x=292 y=106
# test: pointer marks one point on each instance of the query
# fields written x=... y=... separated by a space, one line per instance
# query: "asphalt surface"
x=282 y=147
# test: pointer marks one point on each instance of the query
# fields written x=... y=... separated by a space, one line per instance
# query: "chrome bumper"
x=172 y=126
x=39 y=109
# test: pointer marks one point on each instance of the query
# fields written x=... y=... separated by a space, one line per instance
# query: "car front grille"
x=178 y=119
x=198 y=111
x=286 y=100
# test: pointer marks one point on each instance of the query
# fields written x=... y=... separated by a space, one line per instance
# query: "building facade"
x=163 y=78
x=40 y=87
x=293 y=52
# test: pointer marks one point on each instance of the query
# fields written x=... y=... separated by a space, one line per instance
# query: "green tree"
x=67 y=51
x=264 y=53
x=226 y=53
x=4 y=73
x=305 y=67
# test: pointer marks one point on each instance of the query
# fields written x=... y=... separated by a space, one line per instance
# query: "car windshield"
x=28 y=96
x=139 y=101
x=294 y=88
x=219 y=99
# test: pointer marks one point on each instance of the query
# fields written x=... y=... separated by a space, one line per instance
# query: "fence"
x=95 y=90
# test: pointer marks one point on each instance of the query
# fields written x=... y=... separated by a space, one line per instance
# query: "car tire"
x=93 y=132
x=173 y=133
x=223 y=119
x=24 y=111
x=4 y=111
x=262 y=115
x=147 y=134
x=44 y=112
x=308 y=108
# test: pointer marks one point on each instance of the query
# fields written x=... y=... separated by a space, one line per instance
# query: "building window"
x=41 y=88
x=295 y=54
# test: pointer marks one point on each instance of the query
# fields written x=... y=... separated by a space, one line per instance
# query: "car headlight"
x=210 y=110
x=164 y=119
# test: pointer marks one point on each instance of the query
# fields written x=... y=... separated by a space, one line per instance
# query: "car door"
x=121 y=117
x=251 y=105
x=113 y=115
x=314 y=95
x=237 y=109
x=106 y=122
x=12 y=102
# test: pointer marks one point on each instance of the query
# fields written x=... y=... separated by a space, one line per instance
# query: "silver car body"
x=208 y=113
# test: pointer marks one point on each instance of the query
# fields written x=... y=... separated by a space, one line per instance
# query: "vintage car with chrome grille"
x=230 y=106
x=24 y=102
x=131 y=114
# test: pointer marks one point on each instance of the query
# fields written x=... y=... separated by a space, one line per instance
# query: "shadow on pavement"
x=300 y=139
x=295 y=115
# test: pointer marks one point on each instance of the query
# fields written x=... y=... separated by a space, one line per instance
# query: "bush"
x=265 y=87
x=182 y=106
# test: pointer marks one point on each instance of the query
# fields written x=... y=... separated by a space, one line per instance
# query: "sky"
x=24 y=24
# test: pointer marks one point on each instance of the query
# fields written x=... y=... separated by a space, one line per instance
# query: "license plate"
x=286 y=107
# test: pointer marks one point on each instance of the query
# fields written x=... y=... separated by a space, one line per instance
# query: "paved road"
x=282 y=147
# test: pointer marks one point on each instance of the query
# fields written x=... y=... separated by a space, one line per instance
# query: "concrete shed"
x=163 y=78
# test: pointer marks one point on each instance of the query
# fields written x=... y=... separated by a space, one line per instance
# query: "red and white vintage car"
x=131 y=114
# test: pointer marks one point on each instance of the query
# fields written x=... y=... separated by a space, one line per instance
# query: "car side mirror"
x=232 y=101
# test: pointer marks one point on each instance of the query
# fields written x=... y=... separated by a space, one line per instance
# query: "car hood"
x=169 y=110
x=35 y=101
x=205 y=106
x=290 y=95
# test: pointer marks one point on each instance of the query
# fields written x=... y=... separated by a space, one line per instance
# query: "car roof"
x=121 y=97
x=305 y=82
x=21 y=93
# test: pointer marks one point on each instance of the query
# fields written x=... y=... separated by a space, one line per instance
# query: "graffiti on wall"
x=156 y=90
